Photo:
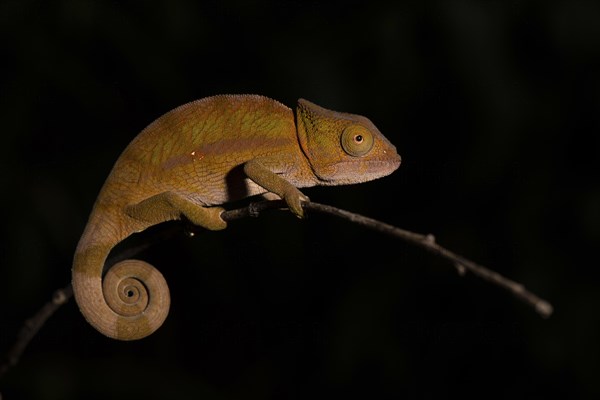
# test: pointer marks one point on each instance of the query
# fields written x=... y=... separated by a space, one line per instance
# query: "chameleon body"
x=194 y=159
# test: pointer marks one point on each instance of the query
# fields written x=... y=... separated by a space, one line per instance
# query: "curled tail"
x=130 y=303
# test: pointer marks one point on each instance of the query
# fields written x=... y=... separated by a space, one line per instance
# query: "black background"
x=493 y=106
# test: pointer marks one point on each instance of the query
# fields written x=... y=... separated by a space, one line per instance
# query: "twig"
x=33 y=325
x=427 y=242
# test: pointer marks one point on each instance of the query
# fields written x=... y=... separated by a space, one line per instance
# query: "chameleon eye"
x=357 y=140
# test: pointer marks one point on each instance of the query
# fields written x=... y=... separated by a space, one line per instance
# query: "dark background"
x=493 y=106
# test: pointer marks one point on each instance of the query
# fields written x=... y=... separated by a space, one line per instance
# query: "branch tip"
x=544 y=308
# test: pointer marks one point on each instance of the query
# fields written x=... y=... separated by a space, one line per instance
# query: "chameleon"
x=188 y=164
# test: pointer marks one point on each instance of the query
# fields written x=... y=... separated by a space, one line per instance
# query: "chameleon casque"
x=194 y=159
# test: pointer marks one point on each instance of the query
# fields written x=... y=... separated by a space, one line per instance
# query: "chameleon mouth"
x=351 y=172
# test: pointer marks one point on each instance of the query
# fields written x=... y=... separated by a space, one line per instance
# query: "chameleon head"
x=343 y=148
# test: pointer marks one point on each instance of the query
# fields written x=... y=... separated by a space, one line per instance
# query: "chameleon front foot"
x=294 y=199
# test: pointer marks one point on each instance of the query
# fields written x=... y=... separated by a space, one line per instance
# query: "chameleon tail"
x=129 y=304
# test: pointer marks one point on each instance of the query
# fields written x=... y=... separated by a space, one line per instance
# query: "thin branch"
x=33 y=325
x=427 y=242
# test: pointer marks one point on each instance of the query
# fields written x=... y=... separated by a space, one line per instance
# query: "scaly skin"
x=194 y=159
